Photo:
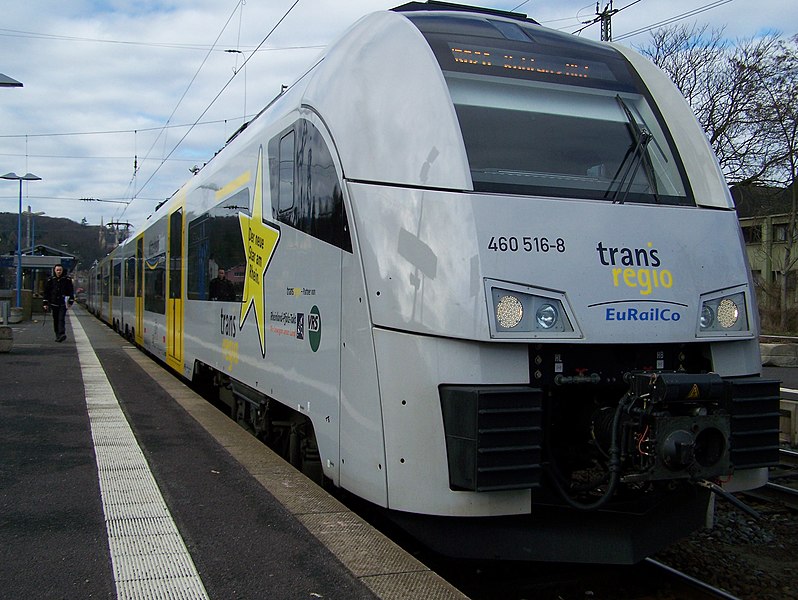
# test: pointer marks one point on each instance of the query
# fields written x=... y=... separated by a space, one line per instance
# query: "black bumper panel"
x=494 y=436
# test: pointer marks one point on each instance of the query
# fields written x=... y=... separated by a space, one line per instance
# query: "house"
x=764 y=214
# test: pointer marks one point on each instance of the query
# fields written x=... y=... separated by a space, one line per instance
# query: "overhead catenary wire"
x=577 y=18
x=188 y=87
x=94 y=157
x=113 y=200
x=169 y=45
x=215 y=98
x=685 y=15
x=118 y=131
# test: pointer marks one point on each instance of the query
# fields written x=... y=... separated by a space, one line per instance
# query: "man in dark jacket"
x=221 y=288
x=58 y=294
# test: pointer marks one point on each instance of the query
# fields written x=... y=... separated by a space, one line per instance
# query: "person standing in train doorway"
x=59 y=294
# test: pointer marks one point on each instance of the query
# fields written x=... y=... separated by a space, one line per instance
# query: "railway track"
x=648 y=579
x=692 y=587
x=782 y=487
x=789 y=456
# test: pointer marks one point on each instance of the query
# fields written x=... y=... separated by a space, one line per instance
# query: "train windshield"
x=544 y=114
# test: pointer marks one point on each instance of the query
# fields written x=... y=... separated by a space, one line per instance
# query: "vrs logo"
x=314 y=328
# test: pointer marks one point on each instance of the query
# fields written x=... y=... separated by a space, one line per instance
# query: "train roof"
x=435 y=5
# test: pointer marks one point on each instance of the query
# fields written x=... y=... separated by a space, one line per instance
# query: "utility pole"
x=605 y=16
x=31 y=236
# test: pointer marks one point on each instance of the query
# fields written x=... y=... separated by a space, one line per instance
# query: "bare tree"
x=720 y=82
x=773 y=112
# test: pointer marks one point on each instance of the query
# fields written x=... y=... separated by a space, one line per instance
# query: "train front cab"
x=555 y=319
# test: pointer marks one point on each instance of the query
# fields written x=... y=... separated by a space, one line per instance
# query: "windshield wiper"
x=635 y=156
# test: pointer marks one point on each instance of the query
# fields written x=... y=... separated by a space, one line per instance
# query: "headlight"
x=547 y=316
x=728 y=313
x=707 y=316
x=509 y=311
x=723 y=314
x=525 y=314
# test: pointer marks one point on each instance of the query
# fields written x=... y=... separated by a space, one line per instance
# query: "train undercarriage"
x=287 y=432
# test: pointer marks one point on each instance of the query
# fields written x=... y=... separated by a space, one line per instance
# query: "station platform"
x=118 y=481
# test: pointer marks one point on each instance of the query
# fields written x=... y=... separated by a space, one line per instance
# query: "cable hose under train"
x=614 y=466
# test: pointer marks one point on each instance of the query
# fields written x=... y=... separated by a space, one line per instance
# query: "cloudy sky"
x=121 y=98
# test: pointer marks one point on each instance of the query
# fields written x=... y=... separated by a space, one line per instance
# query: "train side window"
x=155 y=267
x=322 y=194
x=155 y=284
x=117 y=278
x=285 y=203
x=139 y=264
x=315 y=202
x=106 y=284
x=214 y=243
x=130 y=276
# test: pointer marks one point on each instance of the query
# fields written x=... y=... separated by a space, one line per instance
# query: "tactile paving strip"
x=149 y=557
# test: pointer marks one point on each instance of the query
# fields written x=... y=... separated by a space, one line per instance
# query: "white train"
x=485 y=275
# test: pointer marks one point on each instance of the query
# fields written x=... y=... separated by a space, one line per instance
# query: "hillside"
x=83 y=241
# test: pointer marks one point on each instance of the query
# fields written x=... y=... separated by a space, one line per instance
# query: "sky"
x=122 y=98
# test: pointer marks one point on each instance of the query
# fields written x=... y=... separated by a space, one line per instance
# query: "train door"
x=174 y=298
x=98 y=290
x=107 y=270
x=139 y=290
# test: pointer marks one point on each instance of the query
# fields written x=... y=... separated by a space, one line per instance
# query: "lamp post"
x=20 y=178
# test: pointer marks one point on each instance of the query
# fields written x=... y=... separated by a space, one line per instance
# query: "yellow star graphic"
x=260 y=241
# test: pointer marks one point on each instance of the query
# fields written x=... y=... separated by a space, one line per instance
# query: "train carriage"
x=482 y=274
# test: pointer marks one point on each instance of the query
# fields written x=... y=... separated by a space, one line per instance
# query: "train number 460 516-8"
x=525 y=244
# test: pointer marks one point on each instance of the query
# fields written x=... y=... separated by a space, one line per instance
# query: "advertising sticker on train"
x=260 y=241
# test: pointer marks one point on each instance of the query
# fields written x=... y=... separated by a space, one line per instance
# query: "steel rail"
x=782 y=489
x=691 y=581
x=788 y=452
